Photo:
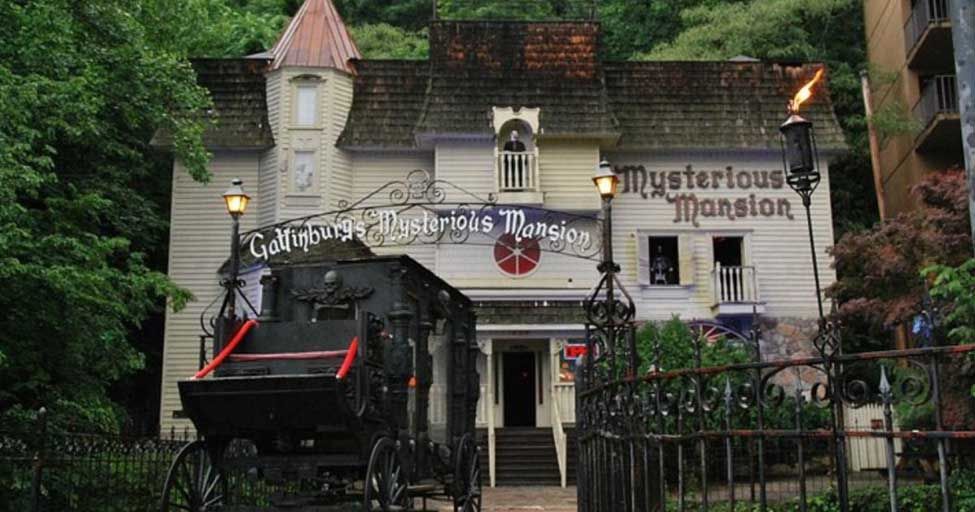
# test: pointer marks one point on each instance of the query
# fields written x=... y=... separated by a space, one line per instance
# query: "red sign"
x=574 y=351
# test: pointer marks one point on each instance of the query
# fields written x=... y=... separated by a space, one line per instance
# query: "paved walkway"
x=528 y=499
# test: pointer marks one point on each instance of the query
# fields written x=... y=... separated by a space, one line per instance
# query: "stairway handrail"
x=558 y=435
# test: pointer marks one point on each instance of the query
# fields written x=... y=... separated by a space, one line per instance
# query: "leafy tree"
x=207 y=28
x=83 y=198
x=383 y=41
x=880 y=285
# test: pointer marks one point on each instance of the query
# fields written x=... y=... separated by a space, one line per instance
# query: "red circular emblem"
x=514 y=258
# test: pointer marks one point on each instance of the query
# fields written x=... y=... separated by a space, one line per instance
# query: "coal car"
x=331 y=383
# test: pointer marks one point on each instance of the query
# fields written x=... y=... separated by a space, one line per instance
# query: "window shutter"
x=685 y=247
x=643 y=259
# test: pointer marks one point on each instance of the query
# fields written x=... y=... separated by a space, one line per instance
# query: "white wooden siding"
x=199 y=242
x=372 y=171
x=338 y=184
x=267 y=188
x=467 y=164
x=565 y=174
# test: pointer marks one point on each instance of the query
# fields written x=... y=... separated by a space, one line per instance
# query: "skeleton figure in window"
x=660 y=268
x=514 y=165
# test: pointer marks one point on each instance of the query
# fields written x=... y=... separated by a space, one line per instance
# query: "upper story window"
x=306 y=104
x=665 y=259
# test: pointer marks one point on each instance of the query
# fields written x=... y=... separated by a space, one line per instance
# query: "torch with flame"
x=799 y=144
x=805 y=93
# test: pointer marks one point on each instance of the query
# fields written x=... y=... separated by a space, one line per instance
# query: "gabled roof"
x=239 y=114
x=317 y=38
x=555 y=66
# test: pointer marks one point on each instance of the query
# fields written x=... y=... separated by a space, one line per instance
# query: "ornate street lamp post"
x=236 y=200
x=800 y=157
x=607 y=183
x=602 y=404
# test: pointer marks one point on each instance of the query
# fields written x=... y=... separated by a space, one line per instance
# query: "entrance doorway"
x=519 y=389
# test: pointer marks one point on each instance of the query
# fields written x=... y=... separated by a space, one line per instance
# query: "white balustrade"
x=517 y=171
x=734 y=285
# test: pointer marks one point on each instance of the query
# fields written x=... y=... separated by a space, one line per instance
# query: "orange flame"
x=805 y=93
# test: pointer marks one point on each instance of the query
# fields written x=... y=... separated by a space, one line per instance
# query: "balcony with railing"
x=735 y=290
x=937 y=113
x=927 y=36
x=517 y=177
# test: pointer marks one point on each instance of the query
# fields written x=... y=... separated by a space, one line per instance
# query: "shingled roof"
x=317 y=38
x=555 y=66
x=239 y=114
x=389 y=98
x=727 y=105
x=477 y=65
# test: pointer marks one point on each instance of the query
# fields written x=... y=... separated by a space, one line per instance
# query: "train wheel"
x=194 y=483
x=386 y=482
x=467 y=476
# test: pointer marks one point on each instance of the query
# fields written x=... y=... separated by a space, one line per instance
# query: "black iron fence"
x=763 y=435
x=44 y=470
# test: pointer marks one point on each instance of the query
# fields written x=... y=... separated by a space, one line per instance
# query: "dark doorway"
x=519 y=389
x=727 y=250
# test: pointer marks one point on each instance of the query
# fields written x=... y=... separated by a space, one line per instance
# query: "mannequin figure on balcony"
x=515 y=164
x=514 y=144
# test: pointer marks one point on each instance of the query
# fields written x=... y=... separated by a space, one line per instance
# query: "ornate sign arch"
x=421 y=210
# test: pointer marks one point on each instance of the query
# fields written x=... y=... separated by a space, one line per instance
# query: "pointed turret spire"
x=316 y=37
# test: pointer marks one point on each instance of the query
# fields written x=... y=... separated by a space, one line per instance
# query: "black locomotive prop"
x=331 y=384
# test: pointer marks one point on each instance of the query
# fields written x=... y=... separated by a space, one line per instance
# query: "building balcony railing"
x=735 y=289
x=927 y=36
x=517 y=173
x=937 y=112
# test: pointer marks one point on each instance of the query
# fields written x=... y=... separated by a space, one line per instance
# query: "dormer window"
x=306 y=104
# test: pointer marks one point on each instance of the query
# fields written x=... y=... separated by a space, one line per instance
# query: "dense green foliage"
x=384 y=41
x=82 y=198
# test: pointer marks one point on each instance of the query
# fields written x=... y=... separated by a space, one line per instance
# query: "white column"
x=488 y=349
